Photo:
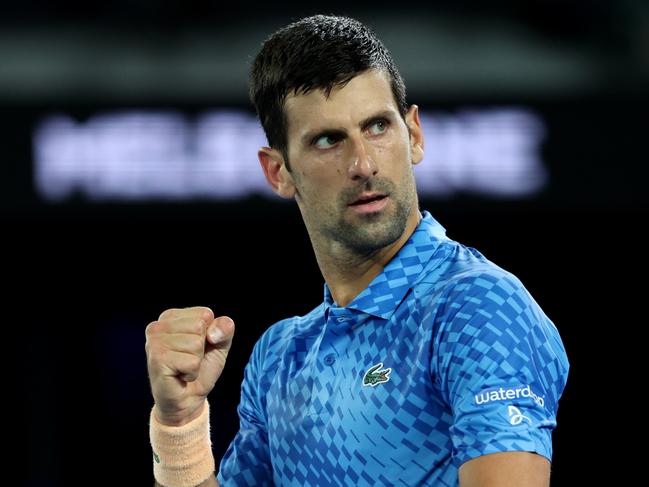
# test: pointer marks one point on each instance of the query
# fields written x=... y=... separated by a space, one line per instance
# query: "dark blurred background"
x=129 y=185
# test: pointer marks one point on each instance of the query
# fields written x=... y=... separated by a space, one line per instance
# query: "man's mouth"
x=367 y=198
x=369 y=203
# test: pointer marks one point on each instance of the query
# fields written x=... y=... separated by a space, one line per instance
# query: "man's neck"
x=347 y=275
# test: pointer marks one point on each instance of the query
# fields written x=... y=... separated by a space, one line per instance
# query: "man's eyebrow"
x=312 y=134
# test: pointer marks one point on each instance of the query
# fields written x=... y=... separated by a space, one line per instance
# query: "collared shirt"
x=442 y=358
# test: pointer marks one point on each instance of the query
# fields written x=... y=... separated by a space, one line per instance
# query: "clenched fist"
x=186 y=351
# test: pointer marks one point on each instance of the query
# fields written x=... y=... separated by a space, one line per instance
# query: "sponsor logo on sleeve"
x=503 y=394
x=516 y=417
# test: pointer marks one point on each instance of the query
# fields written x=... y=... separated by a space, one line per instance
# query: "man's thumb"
x=215 y=334
x=220 y=330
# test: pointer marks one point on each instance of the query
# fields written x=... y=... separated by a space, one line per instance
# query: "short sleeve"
x=247 y=459
x=501 y=367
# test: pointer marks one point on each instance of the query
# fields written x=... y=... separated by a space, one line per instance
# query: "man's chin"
x=373 y=231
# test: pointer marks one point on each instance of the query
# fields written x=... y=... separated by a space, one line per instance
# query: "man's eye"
x=325 y=142
x=378 y=127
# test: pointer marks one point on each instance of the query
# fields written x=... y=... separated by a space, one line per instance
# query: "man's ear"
x=416 y=134
x=278 y=177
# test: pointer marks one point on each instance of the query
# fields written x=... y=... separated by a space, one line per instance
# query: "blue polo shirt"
x=442 y=358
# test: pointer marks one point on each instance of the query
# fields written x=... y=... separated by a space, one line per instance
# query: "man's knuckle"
x=194 y=363
x=150 y=329
x=153 y=360
x=168 y=314
x=197 y=327
x=207 y=313
x=197 y=344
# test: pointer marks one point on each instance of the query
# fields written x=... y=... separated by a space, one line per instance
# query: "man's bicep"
x=506 y=469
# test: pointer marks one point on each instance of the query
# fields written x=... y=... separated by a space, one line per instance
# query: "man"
x=426 y=364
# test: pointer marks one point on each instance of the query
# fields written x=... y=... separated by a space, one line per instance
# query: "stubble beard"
x=369 y=233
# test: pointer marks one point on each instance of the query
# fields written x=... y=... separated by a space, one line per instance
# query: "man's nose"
x=362 y=165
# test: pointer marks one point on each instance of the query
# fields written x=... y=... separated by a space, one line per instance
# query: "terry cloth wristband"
x=182 y=455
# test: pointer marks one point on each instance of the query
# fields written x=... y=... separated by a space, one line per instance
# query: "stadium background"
x=84 y=275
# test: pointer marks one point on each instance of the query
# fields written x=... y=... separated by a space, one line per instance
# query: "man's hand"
x=186 y=351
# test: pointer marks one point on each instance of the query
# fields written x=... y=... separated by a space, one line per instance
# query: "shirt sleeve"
x=501 y=367
x=247 y=459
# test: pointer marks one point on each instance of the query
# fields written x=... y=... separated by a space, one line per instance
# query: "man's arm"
x=210 y=482
x=506 y=469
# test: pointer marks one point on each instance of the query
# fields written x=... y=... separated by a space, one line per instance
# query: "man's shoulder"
x=471 y=289
x=461 y=267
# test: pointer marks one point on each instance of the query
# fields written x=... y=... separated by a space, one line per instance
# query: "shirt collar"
x=388 y=289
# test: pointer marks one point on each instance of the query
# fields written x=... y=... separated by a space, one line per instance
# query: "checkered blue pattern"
x=471 y=365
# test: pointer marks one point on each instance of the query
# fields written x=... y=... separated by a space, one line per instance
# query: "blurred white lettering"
x=158 y=155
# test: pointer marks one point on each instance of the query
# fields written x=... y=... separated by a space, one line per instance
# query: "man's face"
x=351 y=158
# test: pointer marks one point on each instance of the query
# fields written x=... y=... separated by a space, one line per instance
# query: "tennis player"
x=425 y=365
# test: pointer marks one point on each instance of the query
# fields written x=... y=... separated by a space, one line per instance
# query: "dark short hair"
x=318 y=52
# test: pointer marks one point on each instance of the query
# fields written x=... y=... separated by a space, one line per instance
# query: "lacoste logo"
x=374 y=376
x=156 y=457
x=516 y=417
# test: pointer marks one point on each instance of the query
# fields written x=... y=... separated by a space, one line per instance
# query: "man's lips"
x=369 y=203
x=367 y=198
